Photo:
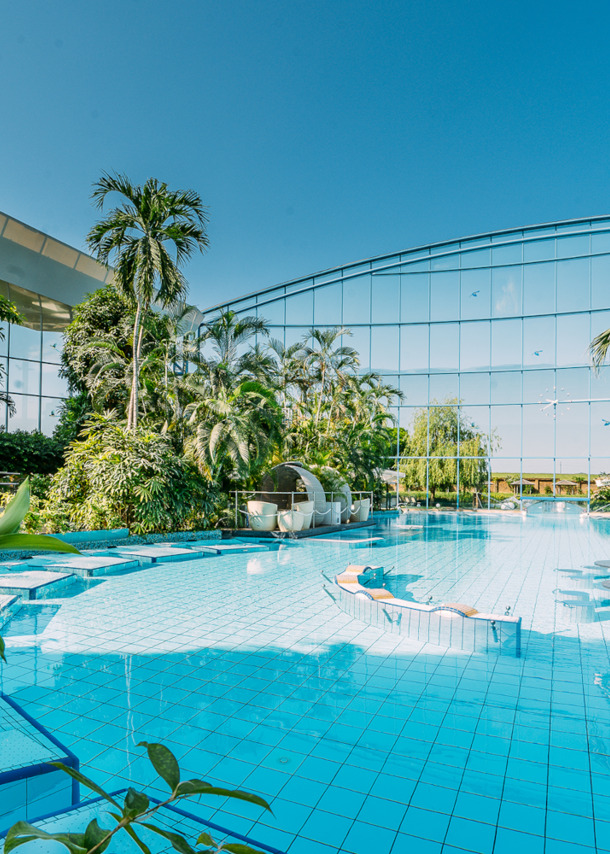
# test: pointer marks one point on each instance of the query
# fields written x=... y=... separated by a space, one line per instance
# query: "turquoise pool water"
x=364 y=741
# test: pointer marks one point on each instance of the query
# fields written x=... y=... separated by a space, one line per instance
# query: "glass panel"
x=272 y=312
x=506 y=430
x=445 y=262
x=475 y=289
x=600 y=279
x=3 y=416
x=327 y=305
x=538 y=430
x=539 y=250
x=504 y=473
x=26 y=416
x=28 y=304
x=600 y=467
x=538 y=341
x=510 y=254
x=600 y=322
x=506 y=387
x=573 y=285
x=570 y=247
x=600 y=385
x=506 y=343
x=50 y=409
x=442 y=430
x=415 y=297
x=414 y=348
x=384 y=348
x=482 y=258
x=444 y=386
x=299 y=309
x=386 y=297
x=444 y=296
x=277 y=333
x=52 y=383
x=360 y=340
x=506 y=291
x=539 y=288
x=24 y=343
x=572 y=430
x=538 y=387
x=24 y=377
x=444 y=343
x=573 y=339
x=296 y=334
x=600 y=429
x=415 y=388
x=600 y=242
x=474 y=430
x=357 y=300
x=573 y=384
x=475 y=345
x=52 y=343
x=408 y=416
x=474 y=388
x=3 y=343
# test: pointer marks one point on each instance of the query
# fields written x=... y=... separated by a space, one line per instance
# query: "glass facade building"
x=496 y=326
x=44 y=278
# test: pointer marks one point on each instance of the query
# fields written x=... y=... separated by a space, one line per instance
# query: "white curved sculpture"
x=306 y=508
x=361 y=510
x=290 y=520
x=262 y=515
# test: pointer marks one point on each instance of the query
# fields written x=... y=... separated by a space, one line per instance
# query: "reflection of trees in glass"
x=437 y=436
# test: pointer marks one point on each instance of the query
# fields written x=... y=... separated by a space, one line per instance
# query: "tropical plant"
x=147 y=239
x=598 y=349
x=137 y=812
x=115 y=477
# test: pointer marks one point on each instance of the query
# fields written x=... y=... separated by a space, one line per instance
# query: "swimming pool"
x=365 y=741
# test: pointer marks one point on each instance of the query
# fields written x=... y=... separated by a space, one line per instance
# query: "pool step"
x=35 y=584
x=92 y=566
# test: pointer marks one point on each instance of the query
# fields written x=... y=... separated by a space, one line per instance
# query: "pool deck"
x=320 y=531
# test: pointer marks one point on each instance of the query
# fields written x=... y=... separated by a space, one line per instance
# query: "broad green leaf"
x=94 y=834
x=240 y=848
x=141 y=845
x=86 y=782
x=192 y=787
x=136 y=803
x=237 y=794
x=35 y=542
x=23 y=832
x=18 y=506
x=206 y=839
x=2 y=648
x=178 y=842
x=164 y=762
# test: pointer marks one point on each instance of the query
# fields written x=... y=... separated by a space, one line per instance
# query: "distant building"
x=498 y=324
x=44 y=278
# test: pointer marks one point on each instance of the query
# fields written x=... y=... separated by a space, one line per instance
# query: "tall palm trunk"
x=132 y=414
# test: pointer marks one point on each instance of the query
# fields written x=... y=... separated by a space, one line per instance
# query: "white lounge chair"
x=290 y=520
x=262 y=515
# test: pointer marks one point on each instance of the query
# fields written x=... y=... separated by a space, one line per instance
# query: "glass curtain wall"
x=488 y=335
x=31 y=355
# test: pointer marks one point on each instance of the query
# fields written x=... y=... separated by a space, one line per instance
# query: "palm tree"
x=598 y=349
x=229 y=338
x=147 y=239
x=327 y=360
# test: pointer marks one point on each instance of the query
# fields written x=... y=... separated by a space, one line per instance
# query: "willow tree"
x=147 y=239
x=437 y=435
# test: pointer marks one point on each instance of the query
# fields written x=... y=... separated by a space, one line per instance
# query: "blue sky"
x=318 y=132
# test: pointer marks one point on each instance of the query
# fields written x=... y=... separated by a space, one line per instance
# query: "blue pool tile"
x=341 y=801
x=303 y=791
x=327 y=828
x=511 y=841
x=319 y=769
x=570 y=828
x=435 y=798
x=471 y=835
x=555 y=846
x=477 y=808
x=364 y=838
x=382 y=812
x=406 y=844
x=521 y=817
x=358 y=779
x=425 y=824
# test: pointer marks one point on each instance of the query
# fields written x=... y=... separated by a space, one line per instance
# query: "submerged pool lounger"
x=437 y=624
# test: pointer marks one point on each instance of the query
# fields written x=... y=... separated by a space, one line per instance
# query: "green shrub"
x=30 y=453
x=115 y=478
